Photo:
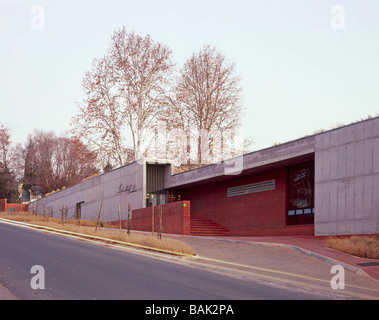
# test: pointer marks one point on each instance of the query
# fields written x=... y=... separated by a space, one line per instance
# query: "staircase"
x=207 y=227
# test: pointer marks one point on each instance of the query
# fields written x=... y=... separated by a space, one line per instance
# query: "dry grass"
x=360 y=246
x=87 y=227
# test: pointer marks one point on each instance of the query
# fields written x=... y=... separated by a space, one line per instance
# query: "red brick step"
x=207 y=227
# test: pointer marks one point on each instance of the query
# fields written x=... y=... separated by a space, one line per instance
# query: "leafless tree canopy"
x=208 y=100
x=134 y=86
x=100 y=121
x=125 y=92
x=135 y=102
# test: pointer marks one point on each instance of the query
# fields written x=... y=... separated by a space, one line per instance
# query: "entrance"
x=300 y=201
x=78 y=211
x=155 y=185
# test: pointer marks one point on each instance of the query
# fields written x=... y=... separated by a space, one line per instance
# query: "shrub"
x=360 y=246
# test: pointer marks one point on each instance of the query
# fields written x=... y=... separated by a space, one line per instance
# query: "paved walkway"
x=301 y=261
x=317 y=247
x=5 y=294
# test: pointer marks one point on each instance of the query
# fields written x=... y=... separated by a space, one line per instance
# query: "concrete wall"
x=347 y=180
x=266 y=158
x=123 y=185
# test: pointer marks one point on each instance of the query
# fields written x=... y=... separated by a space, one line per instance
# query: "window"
x=300 y=206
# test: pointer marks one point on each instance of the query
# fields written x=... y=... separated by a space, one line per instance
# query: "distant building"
x=324 y=184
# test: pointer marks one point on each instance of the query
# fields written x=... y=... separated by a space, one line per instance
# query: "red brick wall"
x=243 y=214
x=175 y=218
x=5 y=206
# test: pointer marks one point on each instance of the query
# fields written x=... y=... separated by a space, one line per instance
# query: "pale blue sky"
x=298 y=73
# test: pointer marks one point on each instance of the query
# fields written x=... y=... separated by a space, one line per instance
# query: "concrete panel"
x=375 y=190
x=333 y=138
x=358 y=158
x=332 y=228
x=323 y=141
x=326 y=166
x=333 y=161
x=376 y=127
x=322 y=202
x=365 y=227
x=322 y=163
x=341 y=162
x=358 y=131
x=359 y=227
x=325 y=213
x=341 y=198
x=345 y=135
x=350 y=160
x=376 y=155
x=342 y=227
x=368 y=128
x=358 y=200
x=367 y=197
x=325 y=229
x=318 y=166
x=368 y=151
x=333 y=206
x=349 y=227
x=349 y=199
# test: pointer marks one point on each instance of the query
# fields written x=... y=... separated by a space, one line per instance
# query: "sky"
x=305 y=65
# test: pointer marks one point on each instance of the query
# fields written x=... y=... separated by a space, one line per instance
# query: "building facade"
x=324 y=184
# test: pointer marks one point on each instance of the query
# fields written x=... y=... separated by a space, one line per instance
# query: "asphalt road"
x=78 y=270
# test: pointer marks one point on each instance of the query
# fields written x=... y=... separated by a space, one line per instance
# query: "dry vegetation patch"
x=87 y=227
x=360 y=246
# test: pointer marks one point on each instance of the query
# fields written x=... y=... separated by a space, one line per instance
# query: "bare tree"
x=144 y=69
x=208 y=99
x=100 y=122
x=125 y=92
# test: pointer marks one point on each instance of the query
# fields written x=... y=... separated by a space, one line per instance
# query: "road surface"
x=76 y=269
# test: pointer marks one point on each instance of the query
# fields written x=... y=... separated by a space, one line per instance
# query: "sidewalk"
x=310 y=245
x=298 y=261
x=316 y=246
x=5 y=294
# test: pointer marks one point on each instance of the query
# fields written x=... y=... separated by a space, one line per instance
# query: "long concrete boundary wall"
x=121 y=186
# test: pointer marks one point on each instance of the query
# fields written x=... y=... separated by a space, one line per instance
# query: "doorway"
x=78 y=211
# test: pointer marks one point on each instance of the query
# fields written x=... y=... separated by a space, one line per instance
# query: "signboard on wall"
x=252 y=188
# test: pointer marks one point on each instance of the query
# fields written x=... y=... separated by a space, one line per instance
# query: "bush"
x=360 y=246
